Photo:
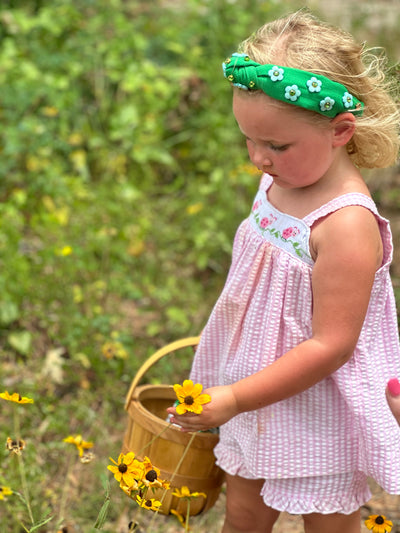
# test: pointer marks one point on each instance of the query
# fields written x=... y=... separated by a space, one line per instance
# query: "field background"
x=122 y=181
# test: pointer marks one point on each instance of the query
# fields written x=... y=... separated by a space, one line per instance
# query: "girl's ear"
x=343 y=127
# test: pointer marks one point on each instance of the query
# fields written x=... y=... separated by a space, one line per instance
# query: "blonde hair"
x=302 y=41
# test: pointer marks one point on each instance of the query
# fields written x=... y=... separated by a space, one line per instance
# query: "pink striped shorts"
x=341 y=493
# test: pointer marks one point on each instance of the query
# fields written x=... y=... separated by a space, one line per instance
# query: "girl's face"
x=282 y=143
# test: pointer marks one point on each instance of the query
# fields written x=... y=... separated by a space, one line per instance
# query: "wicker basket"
x=146 y=406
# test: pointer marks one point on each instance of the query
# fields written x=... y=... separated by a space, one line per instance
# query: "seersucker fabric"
x=340 y=425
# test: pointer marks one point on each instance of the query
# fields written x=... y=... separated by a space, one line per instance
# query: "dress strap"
x=346 y=200
x=265 y=182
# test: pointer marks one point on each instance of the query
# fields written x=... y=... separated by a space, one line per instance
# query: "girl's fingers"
x=393 y=397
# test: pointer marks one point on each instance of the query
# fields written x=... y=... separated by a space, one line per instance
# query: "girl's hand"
x=393 y=397
x=222 y=408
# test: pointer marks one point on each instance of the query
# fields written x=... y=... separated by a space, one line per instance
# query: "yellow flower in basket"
x=190 y=398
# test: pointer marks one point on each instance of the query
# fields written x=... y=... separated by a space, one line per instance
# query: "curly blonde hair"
x=300 y=40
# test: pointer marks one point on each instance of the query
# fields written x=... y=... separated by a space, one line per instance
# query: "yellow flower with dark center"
x=5 y=491
x=152 y=475
x=127 y=469
x=184 y=492
x=190 y=397
x=15 y=397
x=15 y=445
x=378 y=524
x=79 y=443
x=148 y=503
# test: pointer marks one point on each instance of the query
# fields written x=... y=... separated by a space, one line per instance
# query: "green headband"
x=292 y=85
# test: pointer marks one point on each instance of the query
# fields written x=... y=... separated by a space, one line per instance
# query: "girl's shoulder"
x=347 y=226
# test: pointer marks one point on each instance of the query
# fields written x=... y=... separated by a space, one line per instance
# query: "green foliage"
x=112 y=170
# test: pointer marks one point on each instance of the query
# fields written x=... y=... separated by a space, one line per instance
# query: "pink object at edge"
x=394 y=387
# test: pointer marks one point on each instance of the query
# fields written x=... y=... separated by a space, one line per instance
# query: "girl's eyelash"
x=273 y=146
x=279 y=148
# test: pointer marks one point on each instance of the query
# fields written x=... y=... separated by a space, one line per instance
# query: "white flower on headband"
x=347 y=100
x=314 y=85
x=326 y=104
x=292 y=93
x=276 y=73
x=240 y=86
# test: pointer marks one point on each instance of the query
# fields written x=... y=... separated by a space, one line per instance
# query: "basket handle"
x=159 y=354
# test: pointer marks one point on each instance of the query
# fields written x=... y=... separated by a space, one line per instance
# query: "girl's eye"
x=276 y=148
x=281 y=148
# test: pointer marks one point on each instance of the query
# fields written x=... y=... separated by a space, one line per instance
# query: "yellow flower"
x=190 y=397
x=132 y=488
x=379 y=524
x=151 y=475
x=50 y=111
x=113 y=350
x=75 y=139
x=5 y=491
x=79 y=443
x=127 y=470
x=184 y=492
x=15 y=446
x=15 y=397
x=148 y=503
x=193 y=209
x=180 y=518
x=64 y=251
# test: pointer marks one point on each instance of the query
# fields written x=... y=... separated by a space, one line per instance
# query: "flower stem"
x=152 y=440
x=179 y=463
x=21 y=466
x=64 y=493
x=187 y=515
x=173 y=475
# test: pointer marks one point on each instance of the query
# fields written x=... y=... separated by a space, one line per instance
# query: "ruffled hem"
x=232 y=464
x=340 y=493
x=341 y=504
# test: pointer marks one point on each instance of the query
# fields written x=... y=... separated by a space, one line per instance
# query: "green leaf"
x=102 y=516
x=8 y=312
x=40 y=524
x=21 y=341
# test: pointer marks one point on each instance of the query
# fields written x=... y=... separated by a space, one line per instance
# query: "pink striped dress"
x=342 y=424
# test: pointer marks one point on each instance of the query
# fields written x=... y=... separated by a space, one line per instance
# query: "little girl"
x=303 y=339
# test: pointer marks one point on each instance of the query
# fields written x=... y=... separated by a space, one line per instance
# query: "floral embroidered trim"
x=265 y=225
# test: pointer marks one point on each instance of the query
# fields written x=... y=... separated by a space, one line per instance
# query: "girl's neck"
x=342 y=178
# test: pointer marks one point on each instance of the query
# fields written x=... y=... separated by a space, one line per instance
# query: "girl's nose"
x=260 y=159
